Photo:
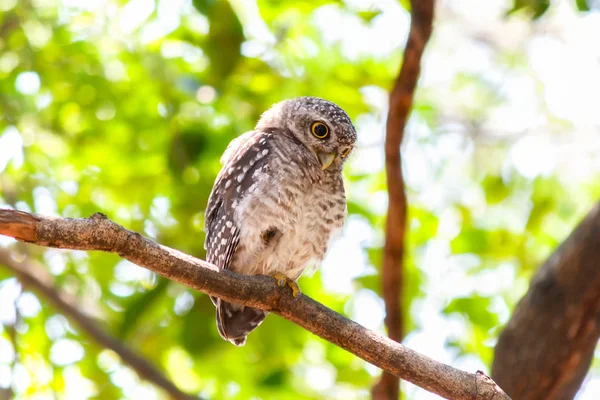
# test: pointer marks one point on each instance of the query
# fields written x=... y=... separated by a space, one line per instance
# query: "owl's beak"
x=326 y=159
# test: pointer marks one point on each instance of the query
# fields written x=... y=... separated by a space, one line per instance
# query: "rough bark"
x=33 y=276
x=99 y=233
x=547 y=346
x=401 y=99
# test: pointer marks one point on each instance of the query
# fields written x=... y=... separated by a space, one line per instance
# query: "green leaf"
x=406 y=4
x=367 y=16
x=582 y=5
x=423 y=225
x=495 y=189
x=275 y=378
x=372 y=282
x=497 y=243
x=476 y=309
x=536 y=8
x=540 y=9
x=204 y=6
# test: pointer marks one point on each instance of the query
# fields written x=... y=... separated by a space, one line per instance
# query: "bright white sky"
x=561 y=81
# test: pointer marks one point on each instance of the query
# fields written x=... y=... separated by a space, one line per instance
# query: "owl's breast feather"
x=306 y=215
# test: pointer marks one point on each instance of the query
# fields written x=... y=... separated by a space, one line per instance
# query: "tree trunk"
x=548 y=344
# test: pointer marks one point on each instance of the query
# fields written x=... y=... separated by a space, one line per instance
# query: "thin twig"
x=401 y=99
x=33 y=275
x=99 y=233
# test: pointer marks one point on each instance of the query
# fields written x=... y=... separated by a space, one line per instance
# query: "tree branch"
x=546 y=349
x=99 y=233
x=401 y=99
x=33 y=275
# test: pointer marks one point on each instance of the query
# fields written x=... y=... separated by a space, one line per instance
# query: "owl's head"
x=322 y=126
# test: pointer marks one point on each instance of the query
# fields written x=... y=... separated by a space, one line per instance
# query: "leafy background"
x=125 y=108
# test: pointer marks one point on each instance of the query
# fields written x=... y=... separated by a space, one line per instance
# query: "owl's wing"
x=250 y=166
x=235 y=145
x=244 y=156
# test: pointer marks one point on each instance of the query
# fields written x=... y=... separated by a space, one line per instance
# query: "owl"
x=278 y=200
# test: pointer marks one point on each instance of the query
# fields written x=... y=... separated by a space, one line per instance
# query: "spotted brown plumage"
x=278 y=199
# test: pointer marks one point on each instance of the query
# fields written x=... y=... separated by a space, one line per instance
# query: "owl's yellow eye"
x=346 y=152
x=320 y=130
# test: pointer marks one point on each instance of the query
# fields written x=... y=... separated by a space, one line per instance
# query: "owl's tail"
x=235 y=321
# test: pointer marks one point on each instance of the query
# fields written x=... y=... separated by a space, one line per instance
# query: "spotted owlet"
x=277 y=200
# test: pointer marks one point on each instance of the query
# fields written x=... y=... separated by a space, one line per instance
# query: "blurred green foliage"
x=537 y=8
x=107 y=109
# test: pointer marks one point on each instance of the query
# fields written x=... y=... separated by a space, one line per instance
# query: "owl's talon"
x=283 y=280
